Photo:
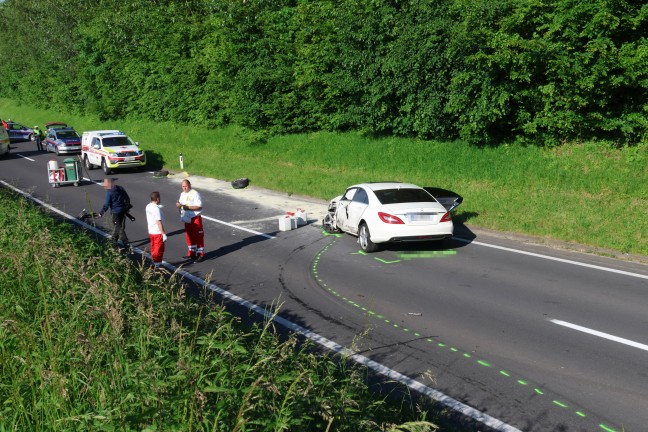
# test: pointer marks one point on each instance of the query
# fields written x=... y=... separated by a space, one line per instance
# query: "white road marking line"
x=440 y=397
x=271 y=218
x=600 y=334
x=25 y=157
x=238 y=227
x=566 y=261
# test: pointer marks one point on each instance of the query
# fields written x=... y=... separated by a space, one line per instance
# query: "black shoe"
x=201 y=258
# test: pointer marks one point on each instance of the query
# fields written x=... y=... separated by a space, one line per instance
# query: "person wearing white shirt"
x=157 y=235
x=190 y=206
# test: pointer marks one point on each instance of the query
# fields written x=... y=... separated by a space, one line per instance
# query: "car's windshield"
x=67 y=135
x=117 y=141
x=403 y=195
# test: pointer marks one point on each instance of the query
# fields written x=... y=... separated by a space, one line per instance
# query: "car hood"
x=122 y=149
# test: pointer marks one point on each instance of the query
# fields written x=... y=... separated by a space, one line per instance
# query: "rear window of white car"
x=402 y=195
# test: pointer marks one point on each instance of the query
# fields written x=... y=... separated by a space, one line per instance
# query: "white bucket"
x=302 y=218
x=52 y=165
x=285 y=223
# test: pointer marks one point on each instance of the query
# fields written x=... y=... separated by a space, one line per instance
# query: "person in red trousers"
x=157 y=235
x=190 y=206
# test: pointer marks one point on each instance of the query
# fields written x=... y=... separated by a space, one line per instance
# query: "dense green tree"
x=485 y=71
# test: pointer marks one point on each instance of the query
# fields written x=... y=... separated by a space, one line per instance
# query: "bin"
x=70 y=169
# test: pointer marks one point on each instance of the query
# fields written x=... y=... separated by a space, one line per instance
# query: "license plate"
x=129 y=158
x=416 y=217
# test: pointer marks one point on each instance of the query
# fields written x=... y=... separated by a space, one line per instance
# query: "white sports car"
x=392 y=212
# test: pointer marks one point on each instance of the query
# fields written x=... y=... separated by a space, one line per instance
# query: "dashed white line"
x=600 y=334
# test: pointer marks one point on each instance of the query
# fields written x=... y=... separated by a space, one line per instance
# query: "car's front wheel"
x=104 y=166
x=329 y=226
x=364 y=238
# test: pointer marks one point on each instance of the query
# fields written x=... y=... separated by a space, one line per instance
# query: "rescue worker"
x=118 y=201
x=190 y=206
x=39 y=136
x=157 y=235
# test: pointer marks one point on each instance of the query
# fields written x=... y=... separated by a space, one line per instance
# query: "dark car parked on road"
x=63 y=141
x=19 y=132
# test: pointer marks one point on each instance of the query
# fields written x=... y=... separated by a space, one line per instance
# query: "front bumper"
x=127 y=162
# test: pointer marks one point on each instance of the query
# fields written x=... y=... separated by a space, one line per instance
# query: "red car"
x=56 y=125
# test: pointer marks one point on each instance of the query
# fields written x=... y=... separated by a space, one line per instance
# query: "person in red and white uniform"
x=157 y=235
x=190 y=206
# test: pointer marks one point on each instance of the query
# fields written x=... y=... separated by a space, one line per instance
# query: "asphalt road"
x=527 y=337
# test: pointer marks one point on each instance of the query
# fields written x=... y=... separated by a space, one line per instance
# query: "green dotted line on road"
x=431 y=341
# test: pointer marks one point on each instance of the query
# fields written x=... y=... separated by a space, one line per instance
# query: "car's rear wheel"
x=364 y=238
x=87 y=163
x=104 y=166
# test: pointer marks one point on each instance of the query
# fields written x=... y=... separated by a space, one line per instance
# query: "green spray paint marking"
x=328 y=234
x=431 y=254
x=385 y=261
x=381 y=317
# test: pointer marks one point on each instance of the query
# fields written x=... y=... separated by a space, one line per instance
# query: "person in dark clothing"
x=118 y=201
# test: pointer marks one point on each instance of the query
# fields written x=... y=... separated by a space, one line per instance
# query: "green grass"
x=91 y=341
x=588 y=193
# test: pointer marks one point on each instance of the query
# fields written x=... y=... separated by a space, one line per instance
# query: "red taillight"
x=446 y=217
x=390 y=219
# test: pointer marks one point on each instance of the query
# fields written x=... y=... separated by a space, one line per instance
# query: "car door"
x=356 y=209
x=341 y=212
x=95 y=148
x=50 y=141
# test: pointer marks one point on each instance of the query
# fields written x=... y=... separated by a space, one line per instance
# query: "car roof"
x=387 y=185
x=61 y=124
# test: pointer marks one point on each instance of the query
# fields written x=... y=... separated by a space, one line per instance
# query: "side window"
x=95 y=141
x=361 y=197
x=348 y=195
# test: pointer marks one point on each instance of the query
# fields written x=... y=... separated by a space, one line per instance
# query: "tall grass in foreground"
x=590 y=193
x=88 y=341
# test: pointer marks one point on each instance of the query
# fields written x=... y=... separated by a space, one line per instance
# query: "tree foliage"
x=486 y=71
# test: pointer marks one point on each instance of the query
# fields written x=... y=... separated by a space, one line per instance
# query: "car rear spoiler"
x=448 y=199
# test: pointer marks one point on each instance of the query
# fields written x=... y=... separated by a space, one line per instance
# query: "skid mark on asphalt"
x=384 y=320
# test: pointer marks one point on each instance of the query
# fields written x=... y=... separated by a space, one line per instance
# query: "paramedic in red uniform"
x=157 y=235
x=190 y=206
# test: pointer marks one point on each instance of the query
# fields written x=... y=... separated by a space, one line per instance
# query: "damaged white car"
x=389 y=212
